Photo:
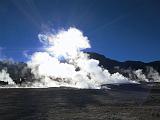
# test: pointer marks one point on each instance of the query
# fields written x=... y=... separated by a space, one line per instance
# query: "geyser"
x=76 y=69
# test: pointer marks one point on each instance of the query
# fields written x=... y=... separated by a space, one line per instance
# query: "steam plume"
x=4 y=76
x=63 y=62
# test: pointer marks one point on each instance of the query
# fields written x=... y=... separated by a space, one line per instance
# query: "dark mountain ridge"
x=129 y=68
x=110 y=63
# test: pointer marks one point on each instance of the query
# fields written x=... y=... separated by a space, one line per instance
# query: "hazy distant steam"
x=4 y=76
x=140 y=76
x=63 y=63
x=147 y=74
x=152 y=74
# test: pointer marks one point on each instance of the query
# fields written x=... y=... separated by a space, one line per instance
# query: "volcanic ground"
x=78 y=104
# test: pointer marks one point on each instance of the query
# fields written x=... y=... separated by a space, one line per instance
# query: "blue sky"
x=119 y=29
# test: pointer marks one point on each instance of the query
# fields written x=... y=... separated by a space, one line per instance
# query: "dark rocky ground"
x=75 y=104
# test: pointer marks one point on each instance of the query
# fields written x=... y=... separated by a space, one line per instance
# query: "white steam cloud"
x=63 y=63
x=4 y=76
x=140 y=75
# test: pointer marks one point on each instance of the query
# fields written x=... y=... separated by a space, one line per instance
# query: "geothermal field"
x=63 y=82
x=79 y=59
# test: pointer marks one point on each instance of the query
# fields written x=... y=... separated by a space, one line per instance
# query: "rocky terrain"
x=78 y=104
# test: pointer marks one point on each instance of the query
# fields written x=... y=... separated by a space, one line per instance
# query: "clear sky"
x=119 y=29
